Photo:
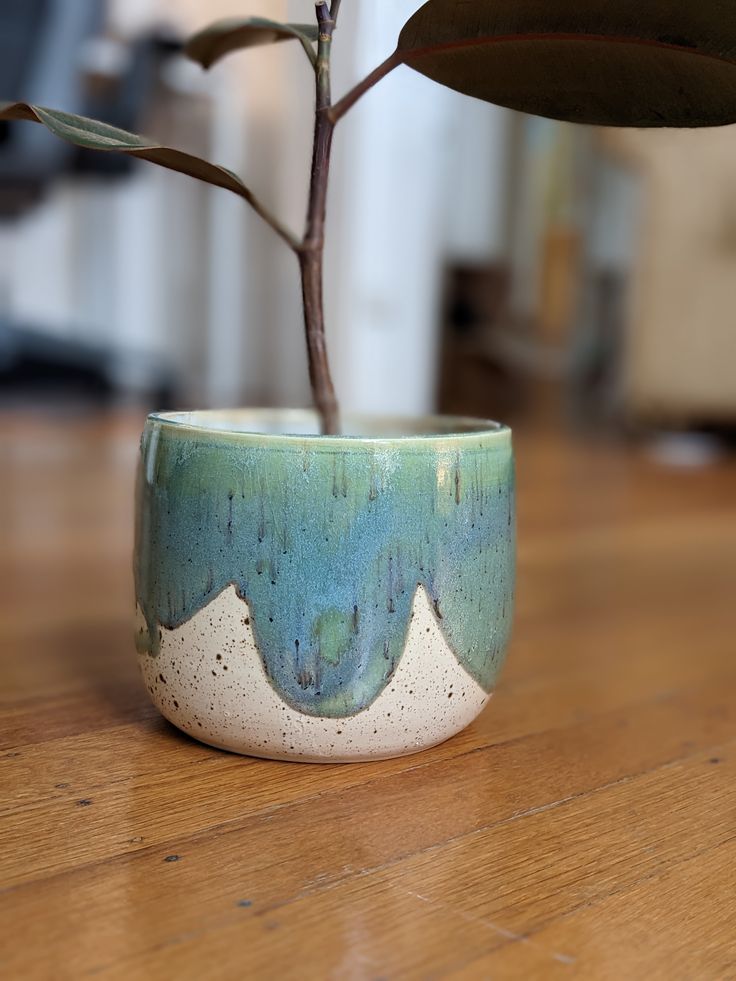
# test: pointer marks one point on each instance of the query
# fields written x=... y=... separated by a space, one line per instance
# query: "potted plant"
x=314 y=588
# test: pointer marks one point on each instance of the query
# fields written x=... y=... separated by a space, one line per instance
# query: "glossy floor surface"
x=583 y=827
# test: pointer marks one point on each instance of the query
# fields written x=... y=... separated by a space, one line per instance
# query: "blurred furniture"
x=474 y=378
x=40 y=42
x=45 y=48
x=679 y=362
x=540 y=329
x=40 y=369
x=621 y=280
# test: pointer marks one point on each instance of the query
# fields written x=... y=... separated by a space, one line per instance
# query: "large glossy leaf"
x=621 y=63
x=224 y=36
x=94 y=135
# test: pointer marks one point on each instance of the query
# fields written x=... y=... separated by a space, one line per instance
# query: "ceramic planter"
x=304 y=597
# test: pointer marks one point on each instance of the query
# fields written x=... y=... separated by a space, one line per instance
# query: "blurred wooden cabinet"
x=680 y=352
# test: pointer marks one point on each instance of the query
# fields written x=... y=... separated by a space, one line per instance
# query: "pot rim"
x=271 y=425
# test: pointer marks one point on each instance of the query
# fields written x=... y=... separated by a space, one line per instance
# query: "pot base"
x=208 y=680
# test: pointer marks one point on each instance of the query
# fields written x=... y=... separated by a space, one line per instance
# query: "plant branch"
x=311 y=250
x=334 y=11
x=348 y=101
x=281 y=230
x=94 y=135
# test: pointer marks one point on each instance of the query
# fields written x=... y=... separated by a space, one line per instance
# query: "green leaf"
x=224 y=36
x=94 y=135
x=623 y=63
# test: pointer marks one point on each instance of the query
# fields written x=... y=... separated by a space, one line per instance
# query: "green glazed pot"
x=309 y=597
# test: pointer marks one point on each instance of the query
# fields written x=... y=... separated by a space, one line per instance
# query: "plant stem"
x=347 y=102
x=311 y=250
x=281 y=230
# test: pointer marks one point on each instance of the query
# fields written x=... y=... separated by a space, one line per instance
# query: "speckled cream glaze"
x=335 y=546
x=209 y=680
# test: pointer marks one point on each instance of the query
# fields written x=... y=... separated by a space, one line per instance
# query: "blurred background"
x=479 y=261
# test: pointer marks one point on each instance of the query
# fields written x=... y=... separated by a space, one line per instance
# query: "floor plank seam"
x=591 y=904
x=233 y=826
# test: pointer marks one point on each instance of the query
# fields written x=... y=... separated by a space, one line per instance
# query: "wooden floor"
x=584 y=827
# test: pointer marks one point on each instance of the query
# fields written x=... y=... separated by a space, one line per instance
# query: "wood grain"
x=584 y=826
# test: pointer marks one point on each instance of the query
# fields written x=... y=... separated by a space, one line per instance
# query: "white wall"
x=389 y=221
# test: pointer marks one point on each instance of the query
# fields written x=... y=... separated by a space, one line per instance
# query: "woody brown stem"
x=311 y=250
x=339 y=109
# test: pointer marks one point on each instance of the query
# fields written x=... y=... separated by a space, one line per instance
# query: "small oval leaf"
x=94 y=135
x=628 y=63
x=224 y=36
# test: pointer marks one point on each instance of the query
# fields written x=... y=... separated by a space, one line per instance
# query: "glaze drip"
x=328 y=547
